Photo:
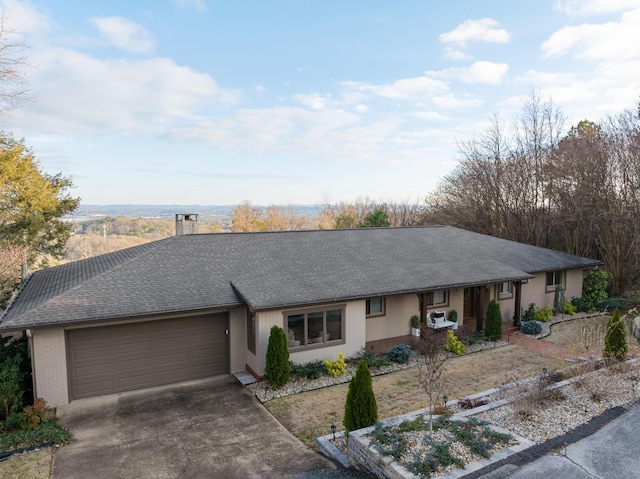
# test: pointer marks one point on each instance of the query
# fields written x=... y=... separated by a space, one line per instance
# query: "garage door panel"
x=93 y=371
x=137 y=381
x=97 y=353
x=111 y=359
x=95 y=388
x=134 y=363
x=134 y=347
x=173 y=358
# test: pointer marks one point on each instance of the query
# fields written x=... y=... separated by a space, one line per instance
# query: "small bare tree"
x=432 y=358
x=14 y=88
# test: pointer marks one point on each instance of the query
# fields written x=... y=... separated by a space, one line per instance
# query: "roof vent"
x=186 y=224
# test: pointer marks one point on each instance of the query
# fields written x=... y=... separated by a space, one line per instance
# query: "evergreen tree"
x=361 y=409
x=277 y=367
x=493 y=331
x=615 y=340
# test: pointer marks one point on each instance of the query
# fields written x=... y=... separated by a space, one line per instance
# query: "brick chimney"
x=186 y=224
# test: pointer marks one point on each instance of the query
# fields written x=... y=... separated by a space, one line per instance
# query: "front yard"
x=310 y=415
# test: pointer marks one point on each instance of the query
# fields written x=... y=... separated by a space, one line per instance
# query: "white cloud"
x=619 y=40
x=431 y=115
x=78 y=93
x=314 y=101
x=594 y=7
x=405 y=88
x=479 y=72
x=24 y=17
x=197 y=4
x=482 y=30
x=125 y=34
x=272 y=130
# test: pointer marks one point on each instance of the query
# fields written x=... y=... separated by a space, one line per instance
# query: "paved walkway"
x=540 y=346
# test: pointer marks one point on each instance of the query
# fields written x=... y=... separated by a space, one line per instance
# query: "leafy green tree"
x=595 y=285
x=361 y=408
x=493 y=331
x=615 y=340
x=32 y=204
x=277 y=367
x=376 y=219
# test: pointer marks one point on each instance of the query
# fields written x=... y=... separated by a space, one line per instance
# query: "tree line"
x=577 y=192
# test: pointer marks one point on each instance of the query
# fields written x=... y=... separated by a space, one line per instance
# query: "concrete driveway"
x=205 y=429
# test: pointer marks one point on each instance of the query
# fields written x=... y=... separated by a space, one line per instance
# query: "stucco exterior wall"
x=395 y=321
x=354 y=336
x=573 y=286
x=50 y=366
x=237 y=339
x=535 y=290
x=506 y=301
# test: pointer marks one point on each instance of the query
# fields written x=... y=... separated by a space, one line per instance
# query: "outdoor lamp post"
x=333 y=430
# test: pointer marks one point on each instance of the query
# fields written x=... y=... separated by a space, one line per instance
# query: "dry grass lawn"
x=586 y=335
x=309 y=415
x=33 y=465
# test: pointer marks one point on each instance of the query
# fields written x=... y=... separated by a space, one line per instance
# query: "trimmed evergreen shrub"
x=615 y=340
x=399 y=353
x=531 y=327
x=277 y=366
x=360 y=409
x=310 y=370
x=530 y=313
x=493 y=331
x=582 y=305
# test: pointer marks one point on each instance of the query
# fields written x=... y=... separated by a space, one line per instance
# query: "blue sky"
x=301 y=102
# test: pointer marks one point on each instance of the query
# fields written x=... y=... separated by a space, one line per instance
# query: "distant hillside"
x=206 y=212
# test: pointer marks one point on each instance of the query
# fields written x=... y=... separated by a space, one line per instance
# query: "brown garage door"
x=111 y=359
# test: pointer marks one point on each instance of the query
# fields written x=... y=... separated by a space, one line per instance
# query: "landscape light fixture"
x=445 y=398
x=544 y=371
x=333 y=430
x=266 y=389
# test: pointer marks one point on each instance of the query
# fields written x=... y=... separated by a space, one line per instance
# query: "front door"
x=468 y=302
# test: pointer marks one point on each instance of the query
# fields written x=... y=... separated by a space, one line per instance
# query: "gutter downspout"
x=33 y=368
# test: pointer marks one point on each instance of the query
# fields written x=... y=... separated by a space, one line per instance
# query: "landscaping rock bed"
x=263 y=392
x=534 y=411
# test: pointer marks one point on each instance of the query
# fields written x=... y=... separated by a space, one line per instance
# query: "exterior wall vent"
x=186 y=224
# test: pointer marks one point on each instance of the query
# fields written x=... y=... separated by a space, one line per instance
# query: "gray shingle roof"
x=269 y=270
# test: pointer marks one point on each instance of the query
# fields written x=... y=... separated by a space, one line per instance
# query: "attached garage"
x=111 y=359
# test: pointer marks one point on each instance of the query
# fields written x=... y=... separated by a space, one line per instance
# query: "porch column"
x=517 y=286
x=423 y=312
x=477 y=307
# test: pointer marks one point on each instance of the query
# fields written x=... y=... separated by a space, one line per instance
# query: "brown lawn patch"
x=34 y=465
x=310 y=414
x=586 y=335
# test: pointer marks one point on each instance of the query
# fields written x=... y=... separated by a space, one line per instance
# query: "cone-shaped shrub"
x=493 y=331
x=615 y=340
x=361 y=409
x=277 y=368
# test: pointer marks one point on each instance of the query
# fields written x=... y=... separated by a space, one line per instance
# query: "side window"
x=376 y=307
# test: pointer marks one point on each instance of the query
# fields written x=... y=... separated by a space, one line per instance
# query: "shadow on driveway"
x=206 y=429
